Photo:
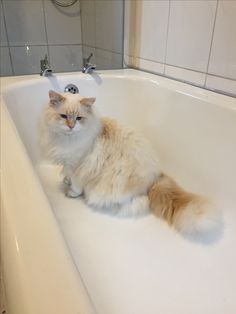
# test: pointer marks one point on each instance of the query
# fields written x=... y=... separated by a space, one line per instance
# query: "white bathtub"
x=61 y=257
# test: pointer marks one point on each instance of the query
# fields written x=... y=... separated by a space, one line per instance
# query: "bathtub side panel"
x=38 y=271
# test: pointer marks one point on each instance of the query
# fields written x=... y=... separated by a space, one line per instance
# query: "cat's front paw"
x=72 y=193
x=67 y=180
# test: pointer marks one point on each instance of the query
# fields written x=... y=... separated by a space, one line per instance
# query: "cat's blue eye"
x=78 y=118
x=64 y=116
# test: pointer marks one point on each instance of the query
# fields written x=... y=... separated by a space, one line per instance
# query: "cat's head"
x=68 y=113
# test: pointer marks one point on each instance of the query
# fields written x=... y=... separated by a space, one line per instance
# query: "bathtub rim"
x=209 y=96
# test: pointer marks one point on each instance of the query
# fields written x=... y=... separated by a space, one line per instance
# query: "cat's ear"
x=55 y=98
x=87 y=101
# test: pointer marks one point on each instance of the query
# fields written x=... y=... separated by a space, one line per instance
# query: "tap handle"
x=44 y=62
x=89 y=57
x=87 y=60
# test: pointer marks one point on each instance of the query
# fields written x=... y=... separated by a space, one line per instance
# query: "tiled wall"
x=190 y=40
x=32 y=28
x=102 y=32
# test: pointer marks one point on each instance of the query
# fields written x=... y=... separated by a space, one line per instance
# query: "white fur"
x=63 y=145
x=111 y=165
x=105 y=171
x=101 y=167
x=198 y=217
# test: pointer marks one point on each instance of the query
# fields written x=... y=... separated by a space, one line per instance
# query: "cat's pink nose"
x=70 y=124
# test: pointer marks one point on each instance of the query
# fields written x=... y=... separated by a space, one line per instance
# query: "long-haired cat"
x=114 y=167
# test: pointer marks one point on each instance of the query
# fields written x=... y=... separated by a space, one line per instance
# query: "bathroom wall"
x=102 y=32
x=189 y=40
x=32 y=28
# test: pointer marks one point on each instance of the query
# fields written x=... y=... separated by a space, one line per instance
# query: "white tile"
x=190 y=32
x=5 y=62
x=3 y=35
x=128 y=60
x=190 y=76
x=148 y=65
x=25 y=22
x=106 y=60
x=63 y=24
x=117 y=61
x=103 y=22
x=152 y=30
x=26 y=60
x=109 y=25
x=128 y=25
x=223 y=52
x=221 y=84
x=88 y=22
x=66 y=58
x=117 y=27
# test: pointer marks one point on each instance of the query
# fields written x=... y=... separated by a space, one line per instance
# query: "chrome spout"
x=45 y=69
x=87 y=66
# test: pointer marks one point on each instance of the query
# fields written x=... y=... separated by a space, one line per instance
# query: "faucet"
x=45 y=69
x=87 y=66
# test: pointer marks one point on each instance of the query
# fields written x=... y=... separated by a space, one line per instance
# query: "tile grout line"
x=167 y=35
x=123 y=31
x=186 y=82
x=55 y=45
x=93 y=47
x=8 y=45
x=81 y=29
x=43 y=45
x=45 y=27
x=188 y=69
x=95 y=28
x=213 y=31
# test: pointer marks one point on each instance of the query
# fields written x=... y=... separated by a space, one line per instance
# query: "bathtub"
x=59 y=256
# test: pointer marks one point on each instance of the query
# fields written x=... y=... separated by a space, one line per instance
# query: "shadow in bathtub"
x=116 y=212
x=97 y=78
x=204 y=238
x=207 y=238
x=56 y=86
x=54 y=82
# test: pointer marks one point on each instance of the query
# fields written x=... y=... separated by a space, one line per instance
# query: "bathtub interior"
x=140 y=265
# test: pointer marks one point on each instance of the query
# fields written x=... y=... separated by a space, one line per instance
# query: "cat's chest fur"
x=69 y=150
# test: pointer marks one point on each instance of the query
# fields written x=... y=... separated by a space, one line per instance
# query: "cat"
x=114 y=167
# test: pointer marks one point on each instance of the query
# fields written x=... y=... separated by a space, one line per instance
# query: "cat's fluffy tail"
x=187 y=212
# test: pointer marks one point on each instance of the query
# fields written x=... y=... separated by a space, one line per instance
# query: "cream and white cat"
x=115 y=168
